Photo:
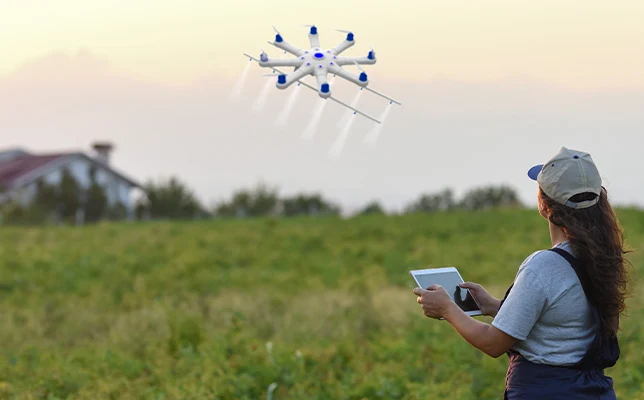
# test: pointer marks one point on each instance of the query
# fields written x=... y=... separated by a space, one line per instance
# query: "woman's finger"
x=469 y=285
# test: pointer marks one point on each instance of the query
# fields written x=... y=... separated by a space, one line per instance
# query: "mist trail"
x=343 y=121
x=282 y=119
x=241 y=82
x=258 y=106
x=338 y=145
x=311 y=129
x=372 y=137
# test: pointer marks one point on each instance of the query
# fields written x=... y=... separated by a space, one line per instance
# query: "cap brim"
x=534 y=171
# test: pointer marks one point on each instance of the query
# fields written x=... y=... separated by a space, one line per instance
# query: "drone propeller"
x=358 y=65
x=343 y=31
x=275 y=29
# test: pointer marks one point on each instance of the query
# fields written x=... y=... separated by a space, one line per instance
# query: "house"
x=20 y=172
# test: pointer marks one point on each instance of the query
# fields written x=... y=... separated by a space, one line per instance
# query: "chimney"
x=103 y=151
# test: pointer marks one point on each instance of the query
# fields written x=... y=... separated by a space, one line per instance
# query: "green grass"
x=222 y=309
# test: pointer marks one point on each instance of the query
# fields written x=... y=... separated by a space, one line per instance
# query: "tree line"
x=171 y=198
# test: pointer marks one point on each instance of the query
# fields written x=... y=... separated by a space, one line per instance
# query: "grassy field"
x=310 y=308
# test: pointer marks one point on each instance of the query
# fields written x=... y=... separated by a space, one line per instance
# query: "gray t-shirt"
x=547 y=311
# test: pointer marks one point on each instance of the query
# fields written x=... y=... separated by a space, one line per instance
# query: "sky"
x=488 y=89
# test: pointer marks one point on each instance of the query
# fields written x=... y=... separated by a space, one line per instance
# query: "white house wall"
x=116 y=189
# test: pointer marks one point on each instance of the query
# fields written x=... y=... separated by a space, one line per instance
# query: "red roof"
x=19 y=167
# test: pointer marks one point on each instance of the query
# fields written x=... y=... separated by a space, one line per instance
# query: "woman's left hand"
x=435 y=301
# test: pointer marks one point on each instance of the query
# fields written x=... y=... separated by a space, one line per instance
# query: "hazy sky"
x=488 y=89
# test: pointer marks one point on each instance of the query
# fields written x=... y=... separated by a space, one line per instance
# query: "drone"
x=319 y=62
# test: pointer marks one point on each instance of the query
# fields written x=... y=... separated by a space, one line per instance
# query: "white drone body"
x=319 y=62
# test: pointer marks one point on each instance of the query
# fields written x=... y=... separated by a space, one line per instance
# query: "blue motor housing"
x=281 y=79
x=314 y=30
x=324 y=88
x=278 y=38
x=371 y=56
x=350 y=37
x=363 y=77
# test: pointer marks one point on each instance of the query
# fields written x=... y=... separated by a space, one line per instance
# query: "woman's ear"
x=543 y=211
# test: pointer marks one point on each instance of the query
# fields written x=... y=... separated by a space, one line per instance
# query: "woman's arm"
x=484 y=337
x=437 y=303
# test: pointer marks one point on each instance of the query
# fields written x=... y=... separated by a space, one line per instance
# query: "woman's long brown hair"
x=597 y=241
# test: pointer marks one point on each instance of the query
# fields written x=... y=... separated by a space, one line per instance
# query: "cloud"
x=447 y=133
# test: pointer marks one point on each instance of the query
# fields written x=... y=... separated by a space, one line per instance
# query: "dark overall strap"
x=506 y=296
x=602 y=354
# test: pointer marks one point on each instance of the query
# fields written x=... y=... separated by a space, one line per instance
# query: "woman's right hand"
x=489 y=305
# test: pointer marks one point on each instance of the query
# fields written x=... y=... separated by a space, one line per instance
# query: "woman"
x=558 y=322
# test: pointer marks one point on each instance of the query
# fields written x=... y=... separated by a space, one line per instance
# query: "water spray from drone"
x=338 y=145
x=311 y=129
x=241 y=82
x=282 y=119
x=372 y=137
x=345 y=118
x=258 y=106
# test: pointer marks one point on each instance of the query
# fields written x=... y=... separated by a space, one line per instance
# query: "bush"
x=170 y=199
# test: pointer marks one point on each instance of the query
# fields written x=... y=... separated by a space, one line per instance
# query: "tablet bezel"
x=430 y=271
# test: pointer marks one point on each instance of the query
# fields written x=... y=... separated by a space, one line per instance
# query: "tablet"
x=449 y=278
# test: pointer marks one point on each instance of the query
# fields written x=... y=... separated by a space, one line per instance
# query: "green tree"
x=262 y=200
x=441 y=201
x=487 y=197
x=46 y=197
x=172 y=199
x=116 y=212
x=68 y=196
x=95 y=199
x=303 y=204
x=373 y=207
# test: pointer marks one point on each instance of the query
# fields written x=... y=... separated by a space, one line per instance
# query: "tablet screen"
x=450 y=281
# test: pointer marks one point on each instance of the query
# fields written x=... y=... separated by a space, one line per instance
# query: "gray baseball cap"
x=568 y=173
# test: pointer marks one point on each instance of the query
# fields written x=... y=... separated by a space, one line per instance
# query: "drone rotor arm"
x=324 y=88
x=290 y=62
x=353 y=60
x=341 y=72
x=314 y=39
x=295 y=76
x=286 y=46
x=342 y=46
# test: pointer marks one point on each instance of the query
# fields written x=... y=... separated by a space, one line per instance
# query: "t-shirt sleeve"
x=523 y=306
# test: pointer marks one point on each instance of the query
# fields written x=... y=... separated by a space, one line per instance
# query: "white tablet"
x=449 y=278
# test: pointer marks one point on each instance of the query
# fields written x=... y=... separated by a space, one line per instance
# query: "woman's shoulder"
x=545 y=263
x=542 y=255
